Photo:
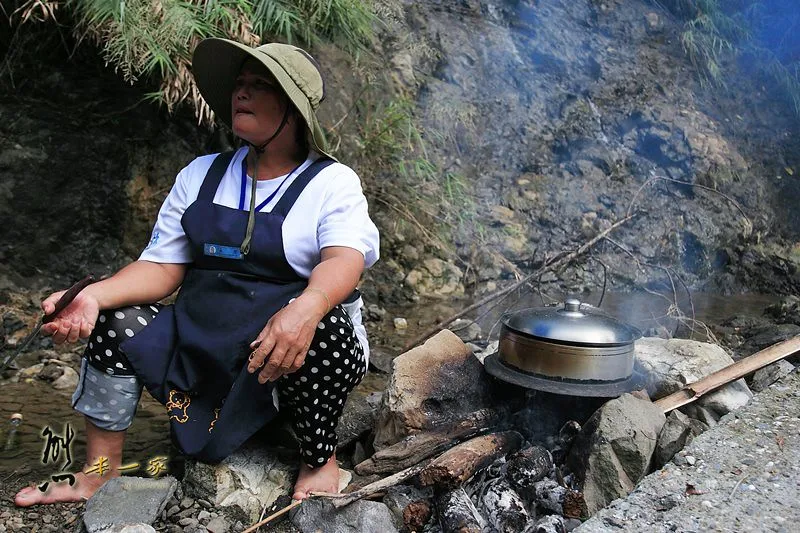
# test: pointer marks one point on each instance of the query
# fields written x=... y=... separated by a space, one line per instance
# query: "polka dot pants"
x=316 y=393
x=108 y=391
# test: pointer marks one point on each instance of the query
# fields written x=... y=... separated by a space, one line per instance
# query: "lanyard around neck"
x=260 y=206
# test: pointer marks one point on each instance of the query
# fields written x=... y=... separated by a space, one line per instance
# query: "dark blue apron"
x=193 y=356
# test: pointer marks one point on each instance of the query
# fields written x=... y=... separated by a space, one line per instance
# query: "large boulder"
x=614 y=449
x=431 y=385
x=672 y=363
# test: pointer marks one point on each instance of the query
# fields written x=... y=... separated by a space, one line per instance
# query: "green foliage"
x=153 y=39
x=758 y=33
x=393 y=154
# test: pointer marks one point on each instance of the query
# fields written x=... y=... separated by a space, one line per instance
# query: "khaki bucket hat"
x=216 y=64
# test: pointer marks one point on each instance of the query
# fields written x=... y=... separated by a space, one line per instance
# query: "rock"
x=400 y=323
x=672 y=363
x=319 y=516
x=358 y=417
x=51 y=372
x=31 y=371
x=491 y=348
x=675 y=434
x=145 y=499
x=374 y=313
x=431 y=385
x=436 y=279
x=614 y=449
x=68 y=380
x=764 y=377
x=130 y=528
x=245 y=482
x=218 y=525
x=467 y=330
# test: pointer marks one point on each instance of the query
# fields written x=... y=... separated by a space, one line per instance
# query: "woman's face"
x=258 y=104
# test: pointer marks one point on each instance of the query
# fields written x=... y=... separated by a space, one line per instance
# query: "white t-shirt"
x=331 y=211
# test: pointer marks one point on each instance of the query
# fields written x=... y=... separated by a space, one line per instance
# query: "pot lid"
x=572 y=323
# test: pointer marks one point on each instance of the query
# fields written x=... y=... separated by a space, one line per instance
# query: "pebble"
x=203 y=515
x=175 y=509
x=188 y=522
x=691 y=460
x=706 y=503
x=218 y=525
x=400 y=323
x=205 y=503
x=186 y=503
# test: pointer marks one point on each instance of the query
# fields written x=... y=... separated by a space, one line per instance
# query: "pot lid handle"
x=572 y=305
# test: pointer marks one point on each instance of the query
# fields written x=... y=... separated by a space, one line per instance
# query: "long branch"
x=557 y=262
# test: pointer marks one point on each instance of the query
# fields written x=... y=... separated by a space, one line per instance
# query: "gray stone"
x=673 y=437
x=218 y=525
x=244 y=483
x=721 y=491
x=145 y=499
x=614 y=449
x=319 y=516
x=672 y=363
x=431 y=385
x=67 y=381
x=768 y=375
x=130 y=528
x=467 y=330
x=358 y=417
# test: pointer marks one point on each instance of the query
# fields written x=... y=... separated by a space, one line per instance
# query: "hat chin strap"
x=244 y=248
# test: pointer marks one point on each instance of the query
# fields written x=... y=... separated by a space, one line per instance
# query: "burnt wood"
x=419 y=446
x=528 y=466
x=458 y=464
x=503 y=507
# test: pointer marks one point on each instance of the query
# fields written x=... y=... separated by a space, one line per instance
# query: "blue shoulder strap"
x=299 y=184
x=214 y=175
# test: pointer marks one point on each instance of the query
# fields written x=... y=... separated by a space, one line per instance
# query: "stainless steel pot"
x=570 y=349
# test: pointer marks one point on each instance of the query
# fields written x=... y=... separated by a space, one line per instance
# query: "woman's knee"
x=113 y=327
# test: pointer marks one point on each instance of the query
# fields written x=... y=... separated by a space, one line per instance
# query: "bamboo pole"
x=693 y=391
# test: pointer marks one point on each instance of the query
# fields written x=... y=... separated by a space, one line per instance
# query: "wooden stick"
x=340 y=500
x=695 y=390
x=273 y=516
x=556 y=263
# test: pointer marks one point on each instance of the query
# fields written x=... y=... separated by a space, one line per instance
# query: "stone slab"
x=741 y=475
x=144 y=499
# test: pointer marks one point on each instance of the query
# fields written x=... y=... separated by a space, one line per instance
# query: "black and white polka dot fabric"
x=108 y=390
x=315 y=394
x=112 y=328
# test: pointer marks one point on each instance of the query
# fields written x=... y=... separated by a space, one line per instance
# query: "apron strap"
x=214 y=176
x=293 y=192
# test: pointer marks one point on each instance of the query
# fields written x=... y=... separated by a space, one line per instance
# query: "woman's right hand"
x=75 y=321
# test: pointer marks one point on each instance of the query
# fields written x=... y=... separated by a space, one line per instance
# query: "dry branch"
x=419 y=446
x=455 y=466
x=556 y=263
x=340 y=500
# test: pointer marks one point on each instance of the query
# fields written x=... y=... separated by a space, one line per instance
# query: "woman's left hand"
x=282 y=345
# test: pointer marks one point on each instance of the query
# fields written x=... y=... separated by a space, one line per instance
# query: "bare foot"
x=321 y=479
x=59 y=492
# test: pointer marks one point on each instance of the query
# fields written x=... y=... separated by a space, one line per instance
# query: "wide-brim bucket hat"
x=216 y=65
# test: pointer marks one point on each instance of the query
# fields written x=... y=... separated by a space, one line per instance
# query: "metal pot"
x=574 y=349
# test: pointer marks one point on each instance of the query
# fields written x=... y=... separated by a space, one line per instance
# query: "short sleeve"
x=168 y=242
x=344 y=219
